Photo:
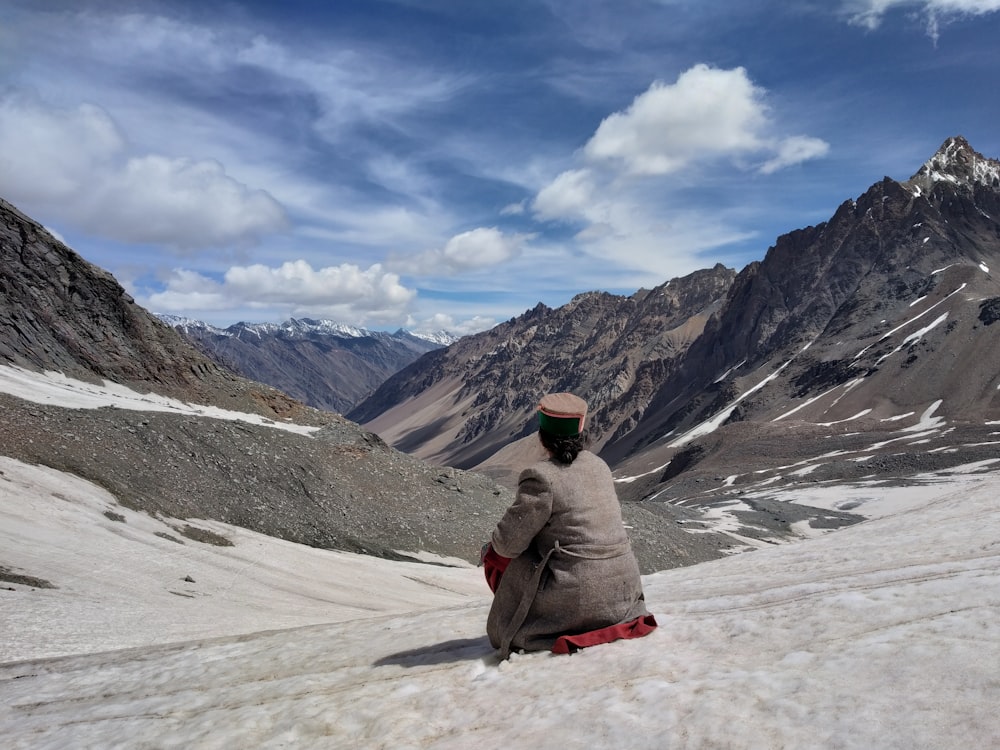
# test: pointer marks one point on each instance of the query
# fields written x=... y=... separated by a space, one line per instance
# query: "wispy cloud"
x=478 y=248
x=460 y=161
x=936 y=13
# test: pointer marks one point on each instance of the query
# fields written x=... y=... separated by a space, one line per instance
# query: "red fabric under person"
x=493 y=566
x=640 y=626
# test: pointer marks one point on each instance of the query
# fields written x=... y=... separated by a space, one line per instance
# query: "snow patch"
x=860 y=414
x=712 y=424
x=56 y=389
x=927 y=420
x=914 y=337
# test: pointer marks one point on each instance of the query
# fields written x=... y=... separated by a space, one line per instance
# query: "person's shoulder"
x=591 y=462
x=540 y=471
x=591 y=458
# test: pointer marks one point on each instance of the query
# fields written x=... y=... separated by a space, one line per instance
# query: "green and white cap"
x=562 y=414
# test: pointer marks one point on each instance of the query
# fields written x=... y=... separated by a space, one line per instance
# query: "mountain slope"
x=137 y=410
x=460 y=405
x=58 y=312
x=875 y=322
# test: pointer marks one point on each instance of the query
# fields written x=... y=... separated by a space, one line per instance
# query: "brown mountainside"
x=862 y=331
x=460 y=405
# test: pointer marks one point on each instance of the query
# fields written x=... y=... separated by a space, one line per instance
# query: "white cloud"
x=795 y=150
x=181 y=203
x=514 y=209
x=478 y=248
x=77 y=160
x=570 y=194
x=344 y=292
x=871 y=13
x=48 y=154
x=444 y=322
x=624 y=196
x=707 y=112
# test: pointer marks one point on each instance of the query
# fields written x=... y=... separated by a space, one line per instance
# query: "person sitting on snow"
x=559 y=561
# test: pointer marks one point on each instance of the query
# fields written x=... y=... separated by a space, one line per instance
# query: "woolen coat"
x=573 y=569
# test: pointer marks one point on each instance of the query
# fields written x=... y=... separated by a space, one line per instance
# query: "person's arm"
x=493 y=566
x=525 y=518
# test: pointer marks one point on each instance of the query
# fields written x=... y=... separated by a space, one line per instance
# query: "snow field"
x=882 y=635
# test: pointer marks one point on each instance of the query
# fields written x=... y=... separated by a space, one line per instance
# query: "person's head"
x=561 y=417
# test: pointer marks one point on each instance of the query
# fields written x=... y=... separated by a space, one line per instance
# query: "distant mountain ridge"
x=323 y=363
x=302 y=327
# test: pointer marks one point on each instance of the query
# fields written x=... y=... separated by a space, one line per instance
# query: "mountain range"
x=865 y=337
x=95 y=386
x=324 y=364
x=860 y=347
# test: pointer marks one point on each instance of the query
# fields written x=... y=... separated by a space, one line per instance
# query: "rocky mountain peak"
x=958 y=163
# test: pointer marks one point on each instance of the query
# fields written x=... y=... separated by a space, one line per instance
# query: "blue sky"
x=449 y=164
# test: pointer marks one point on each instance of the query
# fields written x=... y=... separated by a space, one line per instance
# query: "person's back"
x=572 y=570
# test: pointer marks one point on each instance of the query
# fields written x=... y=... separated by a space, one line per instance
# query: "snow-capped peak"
x=189 y=324
x=300 y=327
x=958 y=163
x=442 y=338
x=304 y=326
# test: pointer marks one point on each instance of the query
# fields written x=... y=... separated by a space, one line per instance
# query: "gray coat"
x=573 y=569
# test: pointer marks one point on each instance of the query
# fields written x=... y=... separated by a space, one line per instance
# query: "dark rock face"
x=989 y=311
x=58 y=312
x=61 y=313
x=320 y=365
x=854 y=333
